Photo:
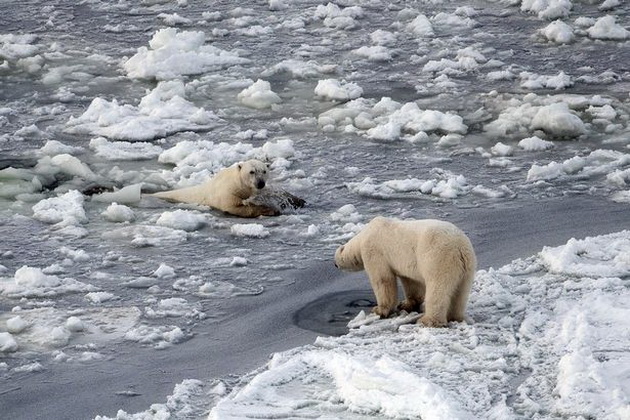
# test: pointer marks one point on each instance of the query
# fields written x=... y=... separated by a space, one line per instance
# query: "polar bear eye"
x=252 y=172
x=264 y=172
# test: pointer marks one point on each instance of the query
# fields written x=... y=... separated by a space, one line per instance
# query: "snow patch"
x=335 y=90
x=182 y=219
x=162 y=112
x=251 y=230
x=259 y=95
x=172 y=54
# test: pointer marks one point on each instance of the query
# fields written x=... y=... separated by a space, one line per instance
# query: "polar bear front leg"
x=383 y=283
x=252 y=210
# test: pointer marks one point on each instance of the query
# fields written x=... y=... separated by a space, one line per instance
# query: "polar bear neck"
x=231 y=180
x=242 y=191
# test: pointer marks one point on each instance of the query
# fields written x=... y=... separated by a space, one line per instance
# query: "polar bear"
x=232 y=190
x=434 y=260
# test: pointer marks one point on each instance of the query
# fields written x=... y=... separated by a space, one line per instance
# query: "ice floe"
x=567 y=304
x=162 y=112
x=172 y=54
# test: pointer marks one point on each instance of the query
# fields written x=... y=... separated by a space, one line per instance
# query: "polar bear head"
x=254 y=174
x=348 y=257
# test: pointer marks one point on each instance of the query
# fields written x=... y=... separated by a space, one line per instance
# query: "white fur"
x=229 y=191
x=433 y=259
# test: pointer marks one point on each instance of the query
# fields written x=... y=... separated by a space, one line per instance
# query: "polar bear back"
x=415 y=248
x=206 y=194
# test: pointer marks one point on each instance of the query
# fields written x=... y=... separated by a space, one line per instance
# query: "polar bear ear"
x=239 y=166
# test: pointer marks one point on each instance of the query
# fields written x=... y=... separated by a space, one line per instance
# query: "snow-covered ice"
x=336 y=90
x=127 y=195
x=254 y=230
x=172 y=54
x=548 y=338
x=607 y=28
x=559 y=32
x=259 y=95
x=160 y=113
x=182 y=219
x=119 y=213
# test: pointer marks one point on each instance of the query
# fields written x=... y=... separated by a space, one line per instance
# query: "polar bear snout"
x=260 y=184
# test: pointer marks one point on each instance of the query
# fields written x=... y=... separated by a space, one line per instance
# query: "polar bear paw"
x=382 y=311
x=410 y=305
x=431 y=322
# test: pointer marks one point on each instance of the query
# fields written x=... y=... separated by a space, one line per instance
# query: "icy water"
x=434 y=130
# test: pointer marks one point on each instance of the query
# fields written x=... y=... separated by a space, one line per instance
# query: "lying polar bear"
x=237 y=190
x=434 y=260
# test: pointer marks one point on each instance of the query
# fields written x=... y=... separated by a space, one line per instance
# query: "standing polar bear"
x=434 y=260
x=233 y=190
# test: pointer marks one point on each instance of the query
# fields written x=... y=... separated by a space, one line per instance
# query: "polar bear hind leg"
x=440 y=293
x=414 y=295
x=460 y=299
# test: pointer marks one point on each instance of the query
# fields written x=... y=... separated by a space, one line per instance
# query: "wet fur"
x=229 y=191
